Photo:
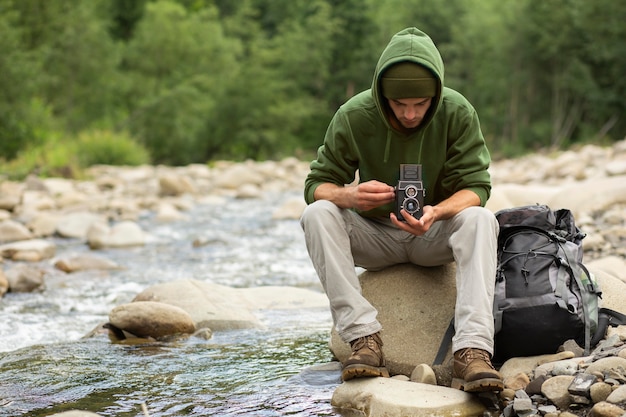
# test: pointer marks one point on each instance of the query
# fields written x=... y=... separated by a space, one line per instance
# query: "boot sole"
x=363 y=371
x=480 y=385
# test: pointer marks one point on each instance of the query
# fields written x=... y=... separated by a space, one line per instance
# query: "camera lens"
x=411 y=205
x=410 y=191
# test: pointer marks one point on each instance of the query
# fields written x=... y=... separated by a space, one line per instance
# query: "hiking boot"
x=473 y=372
x=367 y=359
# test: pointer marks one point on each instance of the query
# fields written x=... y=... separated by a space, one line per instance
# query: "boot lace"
x=372 y=342
x=468 y=355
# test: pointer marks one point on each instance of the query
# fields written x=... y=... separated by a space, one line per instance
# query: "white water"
x=47 y=367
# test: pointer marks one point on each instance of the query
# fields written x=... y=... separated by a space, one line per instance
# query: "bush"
x=109 y=148
x=69 y=157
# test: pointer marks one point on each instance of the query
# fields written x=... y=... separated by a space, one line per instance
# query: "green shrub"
x=109 y=148
x=69 y=157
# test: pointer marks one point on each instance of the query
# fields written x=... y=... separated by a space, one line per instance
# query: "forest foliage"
x=188 y=81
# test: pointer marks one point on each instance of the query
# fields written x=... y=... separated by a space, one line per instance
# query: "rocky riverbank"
x=104 y=212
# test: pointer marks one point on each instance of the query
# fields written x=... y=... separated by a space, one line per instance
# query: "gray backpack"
x=544 y=295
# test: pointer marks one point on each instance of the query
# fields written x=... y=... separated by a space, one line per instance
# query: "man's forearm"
x=455 y=204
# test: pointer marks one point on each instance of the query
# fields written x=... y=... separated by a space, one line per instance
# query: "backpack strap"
x=446 y=340
x=606 y=318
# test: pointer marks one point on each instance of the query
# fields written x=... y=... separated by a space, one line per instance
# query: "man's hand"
x=412 y=225
x=364 y=196
x=446 y=209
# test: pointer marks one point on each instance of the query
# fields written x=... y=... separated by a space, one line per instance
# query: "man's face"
x=410 y=111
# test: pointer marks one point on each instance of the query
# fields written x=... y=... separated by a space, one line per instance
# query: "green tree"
x=179 y=63
x=23 y=117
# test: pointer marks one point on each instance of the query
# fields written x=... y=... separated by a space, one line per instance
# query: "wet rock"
x=210 y=305
x=378 y=397
x=85 y=262
x=152 y=319
x=75 y=413
x=4 y=283
x=28 y=250
x=25 y=278
x=123 y=234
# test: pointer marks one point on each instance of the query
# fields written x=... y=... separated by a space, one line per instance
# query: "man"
x=407 y=116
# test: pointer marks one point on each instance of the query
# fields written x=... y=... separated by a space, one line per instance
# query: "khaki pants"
x=340 y=239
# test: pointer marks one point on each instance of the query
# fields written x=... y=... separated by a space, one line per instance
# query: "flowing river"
x=47 y=367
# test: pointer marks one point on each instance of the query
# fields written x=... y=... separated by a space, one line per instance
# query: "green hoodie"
x=448 y=142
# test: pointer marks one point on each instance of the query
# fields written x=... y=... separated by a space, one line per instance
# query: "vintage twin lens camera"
x=410 y=191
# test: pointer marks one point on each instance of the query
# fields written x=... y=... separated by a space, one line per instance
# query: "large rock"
x=591 y=195
x=152 y=319
x=217 y=307
x=415 y=305
x=381 y=397
x=609 y=274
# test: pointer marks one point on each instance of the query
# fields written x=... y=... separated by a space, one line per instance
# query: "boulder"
x=282 y=298
x=151 y=319
x=592 y=195
x=415 y=305
x=380 y=397
x=215 y=306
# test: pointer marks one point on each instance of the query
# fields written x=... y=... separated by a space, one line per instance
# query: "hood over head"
x=395 y=78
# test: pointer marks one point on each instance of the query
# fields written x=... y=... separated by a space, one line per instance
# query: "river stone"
x=281 y=298
x=618 y=395
x=171 y=184
x=75 y=413
x=215 y=306
x=123 y=234
x=11 y=231
x=43 y=223
x=605 y=409
x=415 y=305
x=84 y=262
x=555 y=389
x=290 y=209
x=4 y=283
x=151 y=319
x=33 y=250
x=25 y=278
x=600 y=194
x=76 y=225
x=381 y=397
